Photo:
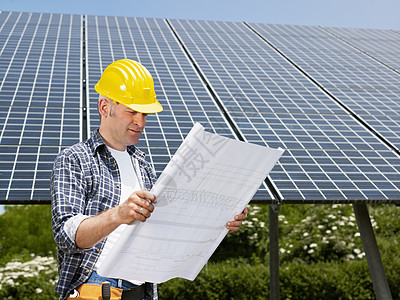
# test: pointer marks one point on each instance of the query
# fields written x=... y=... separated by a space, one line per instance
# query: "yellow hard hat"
x=131 y=84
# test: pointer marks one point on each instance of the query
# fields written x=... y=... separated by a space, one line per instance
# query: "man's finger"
x=144 y=212
x=150 y=197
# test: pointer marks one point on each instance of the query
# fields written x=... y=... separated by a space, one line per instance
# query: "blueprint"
x=209 y=180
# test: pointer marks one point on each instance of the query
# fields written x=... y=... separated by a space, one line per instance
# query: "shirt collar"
x=97 y=143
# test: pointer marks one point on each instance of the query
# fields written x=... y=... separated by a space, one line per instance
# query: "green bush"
x=228 y=280
x=243 y=280
x=335 y=269
x=326 y=233
x=250 y=241
x=346 y=280
x=33 y=279
x=26 y=229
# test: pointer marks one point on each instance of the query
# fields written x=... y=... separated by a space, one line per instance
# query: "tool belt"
x=105 y=292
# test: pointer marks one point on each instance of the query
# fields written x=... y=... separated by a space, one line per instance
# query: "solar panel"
x=382 y=45
x=325 y=95
x=179 y=87
x=364 y=84
x=40 y=69
x=330 y=156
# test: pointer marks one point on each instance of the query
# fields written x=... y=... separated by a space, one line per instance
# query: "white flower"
x=249 y=224
x=328 y=231
x=357 y=251
x=357 y=234
x=10 y=282
x=351 y=256
x=361 y=255
x=320 y=226
x=305 y=234
x=311 y=251
x=38 y=291
x=334 y=227
x=282 y=250
x=374 y=224
x=313 y=245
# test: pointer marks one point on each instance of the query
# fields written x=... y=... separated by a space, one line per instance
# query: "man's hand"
x=138 y=206
x=234 y=225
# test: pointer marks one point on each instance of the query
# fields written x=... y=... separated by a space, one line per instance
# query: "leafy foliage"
x=325 y=235
x=232 y=279
x=250 y=241
x=34 y=279
x=26 y=229
x=321 y=256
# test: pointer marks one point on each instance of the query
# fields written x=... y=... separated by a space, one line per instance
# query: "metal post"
x=273 y=251
x=375 y=265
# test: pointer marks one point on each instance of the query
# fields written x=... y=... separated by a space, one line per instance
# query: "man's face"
x=123 y=126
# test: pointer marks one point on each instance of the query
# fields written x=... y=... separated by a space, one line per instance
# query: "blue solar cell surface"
x=330 y=155
x=358 y=67
x=179 y=87
x=40 y=91
x=328 y=96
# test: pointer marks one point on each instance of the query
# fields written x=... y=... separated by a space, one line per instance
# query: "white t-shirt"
x=129 y=184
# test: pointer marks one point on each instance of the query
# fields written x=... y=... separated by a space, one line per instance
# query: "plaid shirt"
x=85 y=181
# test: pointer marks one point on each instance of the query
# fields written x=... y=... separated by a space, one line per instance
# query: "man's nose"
x=139 y=119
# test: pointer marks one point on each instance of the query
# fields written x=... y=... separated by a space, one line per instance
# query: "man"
x=101 y=185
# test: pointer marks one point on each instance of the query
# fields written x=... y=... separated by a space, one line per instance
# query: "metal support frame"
x=274 y=251
x=375 y=265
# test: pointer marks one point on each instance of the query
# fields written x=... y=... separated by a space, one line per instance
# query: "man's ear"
x=104 y=107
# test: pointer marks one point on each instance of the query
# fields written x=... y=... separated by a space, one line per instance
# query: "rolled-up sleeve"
x=68 y=194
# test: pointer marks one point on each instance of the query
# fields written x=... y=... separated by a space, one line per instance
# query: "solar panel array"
x=325 y=95
x=366 y=85
x=40 y=92
x=330 y=155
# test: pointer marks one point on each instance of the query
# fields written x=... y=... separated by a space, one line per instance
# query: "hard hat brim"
x=145 y=108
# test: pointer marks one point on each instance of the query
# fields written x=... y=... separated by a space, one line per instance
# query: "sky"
x=375 y=14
